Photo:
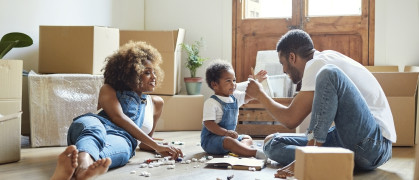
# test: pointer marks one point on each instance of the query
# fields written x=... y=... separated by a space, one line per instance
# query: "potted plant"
x=193 y=62
x=14 y=40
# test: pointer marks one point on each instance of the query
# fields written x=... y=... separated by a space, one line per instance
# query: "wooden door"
x=350 y=35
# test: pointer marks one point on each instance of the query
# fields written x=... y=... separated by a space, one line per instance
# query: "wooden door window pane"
x=334 y=8
x=255 y=9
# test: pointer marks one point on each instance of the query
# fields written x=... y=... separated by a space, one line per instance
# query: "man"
x=335 y=89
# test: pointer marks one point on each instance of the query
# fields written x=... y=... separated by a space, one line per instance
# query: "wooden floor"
x=39 y=163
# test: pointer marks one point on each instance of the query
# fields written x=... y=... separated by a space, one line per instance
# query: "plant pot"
x=193 y=85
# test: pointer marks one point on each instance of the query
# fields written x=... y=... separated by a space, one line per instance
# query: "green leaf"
x=14 y=40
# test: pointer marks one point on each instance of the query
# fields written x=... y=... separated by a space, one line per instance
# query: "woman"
x=109 y=139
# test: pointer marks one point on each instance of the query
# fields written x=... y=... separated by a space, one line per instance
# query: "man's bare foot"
x=66 y=164
x=99 y=167
x=287 y=171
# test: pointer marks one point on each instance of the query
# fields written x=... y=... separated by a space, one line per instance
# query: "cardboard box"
x=401 y=91
x=55 y=100
x=75 y=49
x=10 y=105
x=168 y=44
x=255 y=121
x=10 y=137
x=383 y=68
x=415 y=69
x=181 y=113
x=417 y=164
x=312 y=163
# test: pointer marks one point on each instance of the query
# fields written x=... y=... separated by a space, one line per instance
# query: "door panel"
x=349 y=35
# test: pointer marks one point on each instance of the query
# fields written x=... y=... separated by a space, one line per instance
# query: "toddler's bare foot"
x=66 y=164
x=99 y=167
x=287 y=171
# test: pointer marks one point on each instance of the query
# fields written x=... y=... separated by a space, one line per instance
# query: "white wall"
x=397 y=32
x=26 y=16
x=209 y=19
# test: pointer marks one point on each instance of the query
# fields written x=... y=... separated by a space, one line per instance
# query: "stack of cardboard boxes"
x=70 y=63
x=10 y=108
x=75 y=56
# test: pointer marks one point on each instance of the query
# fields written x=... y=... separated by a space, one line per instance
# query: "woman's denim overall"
x=97 y=135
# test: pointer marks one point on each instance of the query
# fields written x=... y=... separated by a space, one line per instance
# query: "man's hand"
x=254 y=89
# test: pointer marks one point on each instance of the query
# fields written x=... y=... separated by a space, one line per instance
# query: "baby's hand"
x=232 y=134
x=260 y=76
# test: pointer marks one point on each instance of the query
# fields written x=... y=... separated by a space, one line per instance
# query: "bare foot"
x=66 y=164
x=287 y=171
x=99 y=167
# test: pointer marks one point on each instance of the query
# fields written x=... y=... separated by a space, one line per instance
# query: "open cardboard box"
x=75 y=49
x=168 y=44
x=400 y=89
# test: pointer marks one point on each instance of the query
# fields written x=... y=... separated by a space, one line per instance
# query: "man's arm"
x=290 y=116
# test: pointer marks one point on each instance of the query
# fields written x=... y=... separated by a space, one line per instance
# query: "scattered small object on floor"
x=171 y=167
x=178 y=143
x=252 y=169
x=133 y=172
x=230 y=177
x=145 y=173
x=210 y=157
x=232 y=154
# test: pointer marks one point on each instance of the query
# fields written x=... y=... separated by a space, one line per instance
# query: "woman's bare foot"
x=99 y=167
x=66 y=163
x=287 y=171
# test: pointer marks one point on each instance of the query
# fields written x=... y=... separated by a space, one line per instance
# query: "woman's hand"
x=169 y=151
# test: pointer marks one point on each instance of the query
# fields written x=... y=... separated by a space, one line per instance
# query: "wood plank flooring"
x=39 y=163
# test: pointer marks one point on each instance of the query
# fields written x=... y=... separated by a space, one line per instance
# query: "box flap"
x=397 y=83
x=163 y=41
x=383 y=68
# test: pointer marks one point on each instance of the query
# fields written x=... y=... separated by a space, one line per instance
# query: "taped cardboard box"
x=312 y=163
x=168 y=44
x=10 y=137
x=55 y=100
x=75 y=49
x=401 y=92
x=181 y=113
x=11 y=107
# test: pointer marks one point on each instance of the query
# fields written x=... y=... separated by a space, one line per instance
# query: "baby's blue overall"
x=97 y=135
x=336 y=99
x=212 y=143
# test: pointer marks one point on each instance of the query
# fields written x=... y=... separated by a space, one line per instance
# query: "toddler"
x=218 y=135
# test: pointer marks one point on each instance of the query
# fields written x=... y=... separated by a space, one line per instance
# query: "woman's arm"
x=112 y=107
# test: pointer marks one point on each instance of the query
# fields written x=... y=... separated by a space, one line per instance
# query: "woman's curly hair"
x=124 y=67
x=215 y=70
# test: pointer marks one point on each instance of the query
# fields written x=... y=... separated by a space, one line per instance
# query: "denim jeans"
x=336 y=99
x=97 y=135
x=90 y=135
